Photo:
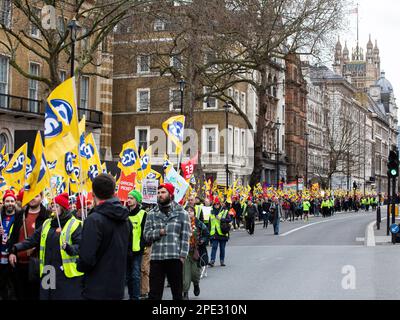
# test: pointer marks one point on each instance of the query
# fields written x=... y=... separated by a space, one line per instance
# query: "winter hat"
x=137 y=195
x=216 y=201
x=20 y=195
x=78 y=202
x=169 y=187
x=62 y=200
x=9 y=193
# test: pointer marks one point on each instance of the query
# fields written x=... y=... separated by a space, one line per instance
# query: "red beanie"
x=62 y=200
x=20 y=195
x=216 y=201
x=78 y=202
x=9 y=193
x=169 y=187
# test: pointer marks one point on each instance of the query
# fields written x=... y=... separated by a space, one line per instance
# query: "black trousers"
x=25 y=289
x=7 y=281
x=173 y=269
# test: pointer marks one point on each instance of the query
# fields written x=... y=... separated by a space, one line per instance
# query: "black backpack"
x=225 y=226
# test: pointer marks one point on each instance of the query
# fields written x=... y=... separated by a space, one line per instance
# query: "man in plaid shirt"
x=168 y=227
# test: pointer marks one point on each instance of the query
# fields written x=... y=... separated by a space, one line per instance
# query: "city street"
x=304 y=262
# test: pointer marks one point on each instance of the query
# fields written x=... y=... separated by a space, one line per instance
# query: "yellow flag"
x=129 y=158
x=39 y=179
x=92 y=156
x=3 y=159
x=14 y=172
x=174 y=127
x=145 y=163
x=61 y=121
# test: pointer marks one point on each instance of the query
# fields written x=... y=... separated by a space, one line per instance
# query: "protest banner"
x=150 y=188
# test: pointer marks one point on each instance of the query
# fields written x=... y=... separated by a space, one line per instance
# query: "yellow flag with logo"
x=14 y=172
x=92 y=156
x=174 y=127
x=4 y=157
x=145 y=163
x=61 y=121
x=39 y=178
x=129 y=158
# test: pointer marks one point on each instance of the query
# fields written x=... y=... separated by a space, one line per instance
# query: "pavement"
x=319 y=259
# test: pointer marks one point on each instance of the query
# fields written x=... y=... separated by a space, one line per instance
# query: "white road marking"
x=313 y=224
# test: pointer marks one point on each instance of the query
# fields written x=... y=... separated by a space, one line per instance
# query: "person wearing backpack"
x=219 y=232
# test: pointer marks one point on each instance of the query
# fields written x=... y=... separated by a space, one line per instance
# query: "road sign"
x=394 y=228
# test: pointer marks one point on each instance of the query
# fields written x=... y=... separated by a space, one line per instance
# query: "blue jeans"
x=276 y=226
x=133 y=276
x=222 y=244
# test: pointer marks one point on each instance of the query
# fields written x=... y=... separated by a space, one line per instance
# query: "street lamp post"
x=182 y=84
x=73 y=26
x=226 y=107
x=277 y=125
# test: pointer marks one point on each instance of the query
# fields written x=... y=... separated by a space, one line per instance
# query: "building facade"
x=22 y=99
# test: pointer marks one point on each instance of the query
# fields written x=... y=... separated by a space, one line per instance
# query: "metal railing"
x=26 y=107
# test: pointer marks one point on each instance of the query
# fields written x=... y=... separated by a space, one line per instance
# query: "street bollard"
x=378 y=218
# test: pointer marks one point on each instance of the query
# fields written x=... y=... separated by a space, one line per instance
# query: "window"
x=243 y=102
x=3 y=81
x=210 y=141
x=3 y=141
x=230 y=140
x=84 y=94
x=5 y=12
x=143 y=64
x=175 y=100
x=63 y=75
x=209 y=102
x=243 y=140
x=85 y=40
x=34 y=69
x=143 y=100
x=34 y=29
x=105 y=45
x=142 y=135
x=236 y=97
x=236 y=143
x=159 y=25
x=61 y=26
x=176 y=62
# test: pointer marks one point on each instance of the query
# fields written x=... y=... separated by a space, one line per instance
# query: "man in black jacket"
x=104 y=246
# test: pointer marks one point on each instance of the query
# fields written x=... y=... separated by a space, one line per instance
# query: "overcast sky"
x=381 y=19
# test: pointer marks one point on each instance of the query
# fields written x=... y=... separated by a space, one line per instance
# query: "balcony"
x=21 y=107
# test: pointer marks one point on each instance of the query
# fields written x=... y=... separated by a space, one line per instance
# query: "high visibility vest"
x=197 y=209
x=137 y=229
x=330 y=203
x=306 y=206
x=325 y=204
x=216 y=224
x=68 y=262
x=244 y=210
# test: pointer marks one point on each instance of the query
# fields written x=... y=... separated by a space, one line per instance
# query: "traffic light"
x=393 y=164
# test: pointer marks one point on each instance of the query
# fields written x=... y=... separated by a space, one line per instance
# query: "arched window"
x=3 y=141
x=270 y=84
x=275 y=88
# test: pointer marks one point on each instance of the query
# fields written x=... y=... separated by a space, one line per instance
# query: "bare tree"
x=24 y=31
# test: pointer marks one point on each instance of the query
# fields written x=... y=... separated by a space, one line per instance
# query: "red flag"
x=188 y=167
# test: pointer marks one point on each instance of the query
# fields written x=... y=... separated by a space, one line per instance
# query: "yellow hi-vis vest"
x=68 y=262
x=306 y=206
x=198 y=209
x=137 y=229
x=216 y=224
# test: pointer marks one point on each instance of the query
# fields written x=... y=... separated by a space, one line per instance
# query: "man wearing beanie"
x=27 y=283
x=168 y=228
x=8 y=214
x=137 y=216
x=105 y=242
x=63 y=229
